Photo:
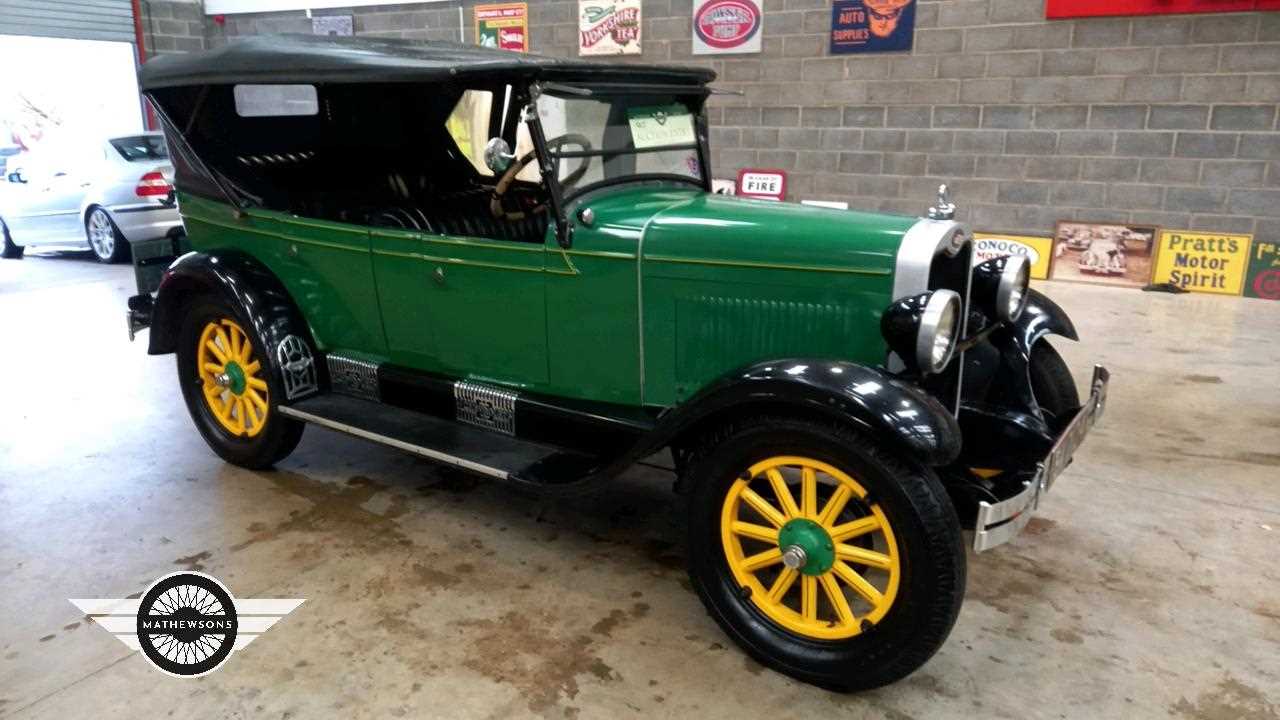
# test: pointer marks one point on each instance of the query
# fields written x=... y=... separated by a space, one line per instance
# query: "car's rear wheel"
x=231 y=387
x=10 y=251
x=108 y=245
x=823 y=554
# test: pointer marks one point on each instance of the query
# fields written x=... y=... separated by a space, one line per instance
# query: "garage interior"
x=1146 y=586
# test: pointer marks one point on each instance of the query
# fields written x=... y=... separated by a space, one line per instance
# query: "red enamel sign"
x=1056 y=9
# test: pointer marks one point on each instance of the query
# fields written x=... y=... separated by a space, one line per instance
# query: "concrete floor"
x=1149 y=586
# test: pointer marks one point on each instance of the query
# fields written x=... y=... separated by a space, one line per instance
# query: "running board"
x=444 y=441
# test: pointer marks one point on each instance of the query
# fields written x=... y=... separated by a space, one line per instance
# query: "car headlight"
x=924 y=329
x=1000 y=286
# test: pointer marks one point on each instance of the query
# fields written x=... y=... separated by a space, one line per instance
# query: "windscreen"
x=141 y=147
x=602 y=138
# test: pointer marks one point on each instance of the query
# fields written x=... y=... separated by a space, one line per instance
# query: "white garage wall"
x=78 y=19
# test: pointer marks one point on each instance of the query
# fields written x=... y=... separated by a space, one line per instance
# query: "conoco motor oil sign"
x=608 y=27
x=726 y=26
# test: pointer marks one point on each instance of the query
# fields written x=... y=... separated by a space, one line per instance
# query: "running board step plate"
x=445 y=441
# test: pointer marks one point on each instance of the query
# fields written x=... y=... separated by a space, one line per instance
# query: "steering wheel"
x=508 y=177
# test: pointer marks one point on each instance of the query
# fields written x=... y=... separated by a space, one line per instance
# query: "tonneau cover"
x=319 y=59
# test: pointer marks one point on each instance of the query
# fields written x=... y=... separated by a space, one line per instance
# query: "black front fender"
x=237 y=278
x=870 y=399
x=997 y=370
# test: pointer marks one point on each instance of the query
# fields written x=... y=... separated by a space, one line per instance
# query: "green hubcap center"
x=235 y=374
x=819 y=551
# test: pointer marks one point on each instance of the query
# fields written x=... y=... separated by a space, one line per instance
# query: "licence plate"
x=1072 y=437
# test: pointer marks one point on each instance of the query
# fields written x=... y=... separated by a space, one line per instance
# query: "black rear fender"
x=248 y=285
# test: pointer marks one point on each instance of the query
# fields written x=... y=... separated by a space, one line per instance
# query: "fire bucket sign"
x=721 y=27
x=762 y=184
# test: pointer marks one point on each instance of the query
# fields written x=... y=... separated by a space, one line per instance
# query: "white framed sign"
x=724 y=27
x=609 y=27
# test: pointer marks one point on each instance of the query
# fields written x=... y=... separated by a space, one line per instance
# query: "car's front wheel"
x=108 y=245
x=822 y=553
x=231 y=387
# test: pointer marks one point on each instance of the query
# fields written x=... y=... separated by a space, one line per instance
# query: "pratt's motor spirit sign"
x=1055 y=9
x=762 y=184
x=1201 y=261
x=608 y=27
x=721 y=27
x=504 y=27
x=1037 y=250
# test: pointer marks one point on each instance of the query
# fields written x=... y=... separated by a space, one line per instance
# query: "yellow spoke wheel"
x=232 y=379
x=816 y=556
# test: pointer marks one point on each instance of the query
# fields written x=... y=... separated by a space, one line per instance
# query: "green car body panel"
x=666 y=289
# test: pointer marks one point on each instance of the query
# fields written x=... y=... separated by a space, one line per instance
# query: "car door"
x=458 y=297
x=46 y=208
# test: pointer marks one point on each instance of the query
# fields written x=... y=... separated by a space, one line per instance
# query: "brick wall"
x=1168 y=120
x=171 y=26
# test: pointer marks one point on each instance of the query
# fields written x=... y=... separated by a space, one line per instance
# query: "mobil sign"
x=762 y=184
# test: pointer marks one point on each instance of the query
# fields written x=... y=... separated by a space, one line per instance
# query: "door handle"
x=438 y=275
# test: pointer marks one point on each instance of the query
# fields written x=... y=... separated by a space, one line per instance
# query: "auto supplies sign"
x=872 y=25
x=1263 y=277
x=1201 y=261
x=1037 y=250
x=762 y=184
x=722 y=27
x=503 y=27
x=608 y=27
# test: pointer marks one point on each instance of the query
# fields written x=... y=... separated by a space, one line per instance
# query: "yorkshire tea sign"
x=1202 y=262
x=609 y=27
x=1037 y=250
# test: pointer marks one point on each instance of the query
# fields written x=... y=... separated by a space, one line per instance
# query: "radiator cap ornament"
x=943 y=208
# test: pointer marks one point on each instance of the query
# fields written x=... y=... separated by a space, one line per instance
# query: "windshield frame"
x=692 y=95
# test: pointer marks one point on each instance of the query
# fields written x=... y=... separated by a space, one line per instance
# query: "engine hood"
x=695 y=226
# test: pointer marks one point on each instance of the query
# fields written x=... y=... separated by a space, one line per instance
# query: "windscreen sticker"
x=661 y=125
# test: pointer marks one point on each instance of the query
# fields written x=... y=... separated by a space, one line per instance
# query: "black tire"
x=1051 y=381
x=927 y=531
x=279 y=435
x=10 y=251
x=113 y=247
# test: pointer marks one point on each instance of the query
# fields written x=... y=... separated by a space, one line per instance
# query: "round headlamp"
x=1000 y=286
x=923 y=329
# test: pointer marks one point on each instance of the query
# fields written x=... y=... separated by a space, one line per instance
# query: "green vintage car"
x=514 y=265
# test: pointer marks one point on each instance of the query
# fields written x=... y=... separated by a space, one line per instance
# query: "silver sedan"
x=103 y=204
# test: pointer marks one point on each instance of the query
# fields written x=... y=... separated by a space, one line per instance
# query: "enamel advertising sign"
x=762 y=184
x=1037 y=250
x=872 y=25
x=1202 y=261
x=608 y=27
x=722 y=27
x=504 y=27
x=1057 y=9
x=1263 y=280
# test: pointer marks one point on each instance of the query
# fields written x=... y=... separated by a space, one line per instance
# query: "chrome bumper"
x=998 y=523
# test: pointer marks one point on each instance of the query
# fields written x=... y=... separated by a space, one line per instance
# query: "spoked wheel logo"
x=187 y=624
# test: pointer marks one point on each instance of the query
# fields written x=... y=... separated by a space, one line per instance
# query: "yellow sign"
x=1038 y=250
x=1201 y=261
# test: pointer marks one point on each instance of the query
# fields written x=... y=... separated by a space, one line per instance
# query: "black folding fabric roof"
x=318 y=59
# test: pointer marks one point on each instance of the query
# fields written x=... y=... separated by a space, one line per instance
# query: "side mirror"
x=497 y=155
